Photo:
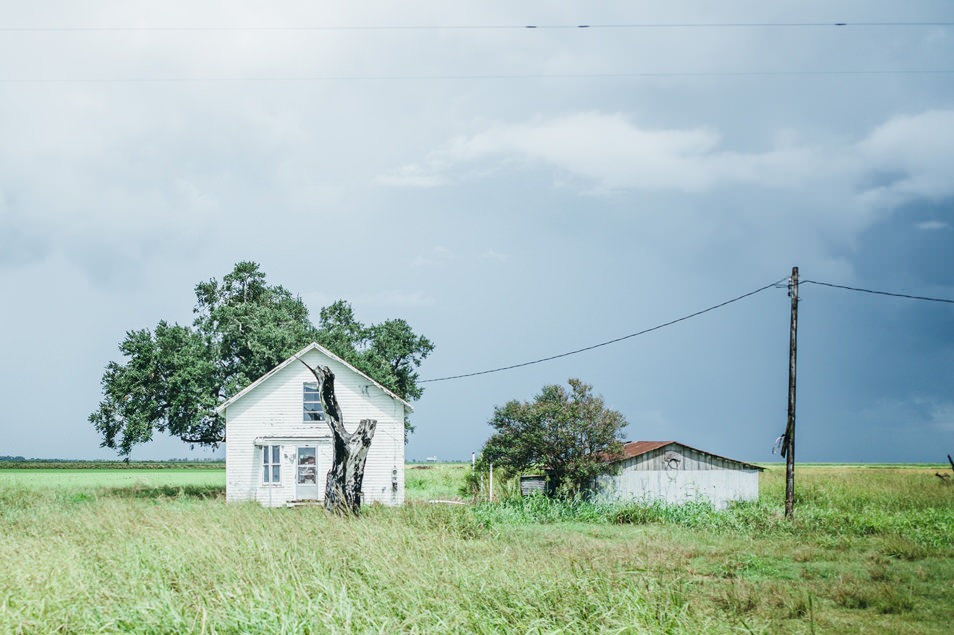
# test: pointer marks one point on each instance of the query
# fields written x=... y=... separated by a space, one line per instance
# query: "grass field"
x=158 y=551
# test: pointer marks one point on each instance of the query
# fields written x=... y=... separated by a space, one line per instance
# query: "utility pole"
x=788 y=440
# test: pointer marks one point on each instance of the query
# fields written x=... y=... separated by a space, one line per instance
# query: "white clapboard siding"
x=271 y=413
x=675 y=473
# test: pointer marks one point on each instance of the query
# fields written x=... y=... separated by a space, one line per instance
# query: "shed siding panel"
x=274 y=410
x=718 y=487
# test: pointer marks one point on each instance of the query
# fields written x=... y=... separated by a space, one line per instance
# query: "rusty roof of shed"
x=633 y=449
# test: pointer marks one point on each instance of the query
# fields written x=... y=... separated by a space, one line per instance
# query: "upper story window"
x=311 y=402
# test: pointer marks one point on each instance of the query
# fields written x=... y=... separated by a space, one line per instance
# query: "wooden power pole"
x=788 y=440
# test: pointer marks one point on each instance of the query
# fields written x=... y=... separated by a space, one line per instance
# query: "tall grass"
x=170 y=556
x=830 y=502
x=183 y=563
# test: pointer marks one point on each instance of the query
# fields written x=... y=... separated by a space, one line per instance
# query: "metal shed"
x=535 y=484
x=677 y=473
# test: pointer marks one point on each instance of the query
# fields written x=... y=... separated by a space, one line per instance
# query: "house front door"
x=306 y=477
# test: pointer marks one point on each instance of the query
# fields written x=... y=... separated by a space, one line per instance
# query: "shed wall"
x=272 y=414
x=677 y=474
x=536 y=484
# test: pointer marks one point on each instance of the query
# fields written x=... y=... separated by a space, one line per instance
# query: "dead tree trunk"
x=349 y=449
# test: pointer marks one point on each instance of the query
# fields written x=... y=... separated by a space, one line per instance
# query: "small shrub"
x=470 y=485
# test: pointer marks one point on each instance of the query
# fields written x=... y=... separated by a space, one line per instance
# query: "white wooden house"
x=676 y=473
x=278 y=445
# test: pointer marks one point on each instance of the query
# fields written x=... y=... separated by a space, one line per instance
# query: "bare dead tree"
x=349 y=449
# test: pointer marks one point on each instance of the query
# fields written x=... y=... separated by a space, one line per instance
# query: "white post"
x=473 y=460
x=491 y=492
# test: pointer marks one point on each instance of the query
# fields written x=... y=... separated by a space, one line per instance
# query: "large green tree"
x=569 y=433
x=174 y=376
x=390 y=351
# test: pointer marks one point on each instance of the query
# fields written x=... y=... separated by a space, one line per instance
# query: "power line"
x=775 y=284
x=608 y=342
x=471 y=27
x=489 y=76
x=876 y=292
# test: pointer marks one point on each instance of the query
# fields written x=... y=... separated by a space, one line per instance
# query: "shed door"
x=306 y=477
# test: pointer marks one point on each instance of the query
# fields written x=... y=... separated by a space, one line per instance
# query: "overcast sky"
x=512 y=193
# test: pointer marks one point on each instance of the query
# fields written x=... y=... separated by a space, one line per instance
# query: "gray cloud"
x=612 y=152
x=505 y=218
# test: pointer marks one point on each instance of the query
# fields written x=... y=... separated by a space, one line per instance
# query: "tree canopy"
x=174 y=376
x=568 y=433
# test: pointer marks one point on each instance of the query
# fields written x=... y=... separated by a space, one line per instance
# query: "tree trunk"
x=349 y=449
x=343 y=488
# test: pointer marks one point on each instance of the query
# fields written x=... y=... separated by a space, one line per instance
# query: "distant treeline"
x=19 y=462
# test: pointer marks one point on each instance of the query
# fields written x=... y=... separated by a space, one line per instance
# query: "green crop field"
x=159 y=551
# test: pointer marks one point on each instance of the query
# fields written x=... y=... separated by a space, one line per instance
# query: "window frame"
x=311 y=397
x=273 y=466
x=301 y=468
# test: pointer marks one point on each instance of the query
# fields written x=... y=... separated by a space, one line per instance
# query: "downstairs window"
x=271 y=464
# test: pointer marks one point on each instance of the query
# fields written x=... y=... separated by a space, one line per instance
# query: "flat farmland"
x=158 y=551
x=101 y=480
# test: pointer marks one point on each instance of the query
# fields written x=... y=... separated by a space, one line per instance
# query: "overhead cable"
x=471 y=27
x=876 y=292
x=608 y=342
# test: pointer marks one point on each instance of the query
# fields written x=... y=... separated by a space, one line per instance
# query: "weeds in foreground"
x=168 y=555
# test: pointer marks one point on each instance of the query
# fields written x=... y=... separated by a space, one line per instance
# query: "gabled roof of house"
x=632 y=449
x=314 y=346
